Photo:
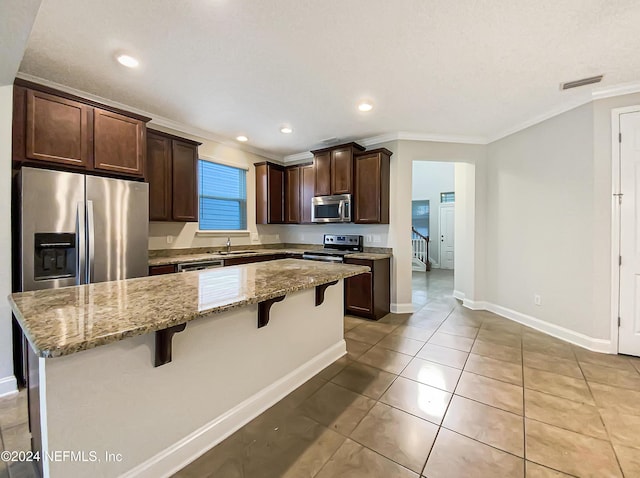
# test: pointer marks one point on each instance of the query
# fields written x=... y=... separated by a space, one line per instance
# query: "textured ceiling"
x=465 y=67
x=16 y=20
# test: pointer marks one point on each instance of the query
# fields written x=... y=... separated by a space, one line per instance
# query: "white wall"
x=7 y=380
x=430 y=178
x=184 y=234
x=540 y=221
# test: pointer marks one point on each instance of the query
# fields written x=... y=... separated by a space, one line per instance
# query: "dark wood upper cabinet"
x=341 y=171
x=307 y=192
x=60 y=129
x=159 y=175
x=292 y=187
x=334 y=169
x=371 y=195
x=322 y=165
x=56 y=130
x=172 y=173
x=185 y=181
x=119 y=143
x=270 y=181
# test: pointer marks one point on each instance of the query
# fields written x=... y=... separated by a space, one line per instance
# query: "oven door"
x=331 y=208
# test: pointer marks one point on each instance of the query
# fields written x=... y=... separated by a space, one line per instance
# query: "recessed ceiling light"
x=286 y=130
x=242 y=138
x=365 y=106
x=128 y=61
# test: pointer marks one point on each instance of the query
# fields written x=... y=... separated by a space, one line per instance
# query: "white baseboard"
x=474 y=304
x=458 y=294
x=183 y=452
x=401 y=308
x=8 y=386
x=596 y=345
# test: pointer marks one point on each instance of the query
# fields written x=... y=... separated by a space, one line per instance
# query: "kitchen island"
x=253 y=334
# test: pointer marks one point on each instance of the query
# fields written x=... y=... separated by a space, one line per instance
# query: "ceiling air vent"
x=585 y=81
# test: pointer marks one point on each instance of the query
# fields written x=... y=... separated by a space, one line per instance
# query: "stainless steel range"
x=336 y=247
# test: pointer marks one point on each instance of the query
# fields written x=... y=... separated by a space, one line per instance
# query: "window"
x=420 y=216
x=223 y=197
x=448 y=197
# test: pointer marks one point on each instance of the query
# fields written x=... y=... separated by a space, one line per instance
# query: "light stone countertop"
x=71 y=319
x=186 y=258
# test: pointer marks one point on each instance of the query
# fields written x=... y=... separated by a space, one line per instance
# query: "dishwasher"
x=199 y=266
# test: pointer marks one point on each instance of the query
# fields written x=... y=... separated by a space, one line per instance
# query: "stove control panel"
x=347 y=242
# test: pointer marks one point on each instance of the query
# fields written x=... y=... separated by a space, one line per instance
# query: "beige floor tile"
x=380 y=327
x=461 y=330
x=301 y=393
x=497 y=351
x=355 y=349
x=623 y=429
x=492 y=426
x=418 y=399
x=431 y=373
x=335 y=368
x=561 y=412
x=611 y=376
x=567 y=367
x=456 y=319
x=456 y=456
x=507 y=327
x=502 y=338
x=622 y=400
x=629 y=459
x=385 y=359
x=17 y=438
x=493 y=368
x=337 y=408
x=365 y=380
x=366 y=334
x=452 y=341
x=399 y=436
x=635 y=361
x=401 y=344
x=619 y=362
x=351 y=322
x=553 y=349
x=558 y=385
x=415 y=333
x=443 y=355
x=13 y=410
x=569 y=452
x=533 y=470
x=505 y=396
x=355 y=461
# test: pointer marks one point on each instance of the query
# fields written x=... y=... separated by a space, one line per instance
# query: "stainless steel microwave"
x=331 y=208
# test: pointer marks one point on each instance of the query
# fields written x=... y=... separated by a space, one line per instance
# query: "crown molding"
x=616 y=90
x=156 y=120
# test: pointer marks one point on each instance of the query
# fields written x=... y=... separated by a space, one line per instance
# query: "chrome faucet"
x=228 y=245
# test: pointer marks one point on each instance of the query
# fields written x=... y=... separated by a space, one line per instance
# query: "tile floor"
x=443 y=392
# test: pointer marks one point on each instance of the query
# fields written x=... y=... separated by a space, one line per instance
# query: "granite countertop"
x=65 y=321
x=208 y=256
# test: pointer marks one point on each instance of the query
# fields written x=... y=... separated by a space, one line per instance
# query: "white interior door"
x=629 y=329
x=447 y=229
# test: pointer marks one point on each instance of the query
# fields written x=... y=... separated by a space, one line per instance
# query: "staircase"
x=420 y=251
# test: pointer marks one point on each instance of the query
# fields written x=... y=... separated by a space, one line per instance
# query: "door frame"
x=447 y=205
x=615 y=220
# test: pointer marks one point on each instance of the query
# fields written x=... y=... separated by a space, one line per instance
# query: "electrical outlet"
x=169 y=239
x=255 y=237
x=537 y=300
x=369 y=238
x=376 y=238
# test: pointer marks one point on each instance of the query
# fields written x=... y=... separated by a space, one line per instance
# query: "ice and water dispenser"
x=54 y=255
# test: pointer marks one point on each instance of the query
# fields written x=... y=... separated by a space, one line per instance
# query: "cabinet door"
x=367 y=191
x=159 y=176
x=322 y=167
x=161 y=270
x=307 y=192
x=185 y=181
x=57 y=130
x=359 y=294
x=341 y=171
x=292 y=195
x=118 y=143
x=262 y=192
x=275 y=178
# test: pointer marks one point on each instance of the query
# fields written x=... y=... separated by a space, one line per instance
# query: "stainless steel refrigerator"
x=78 y=229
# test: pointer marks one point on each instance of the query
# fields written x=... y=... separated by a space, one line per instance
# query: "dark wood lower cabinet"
x=236 y=261
x=368 y=295
x=164 y=269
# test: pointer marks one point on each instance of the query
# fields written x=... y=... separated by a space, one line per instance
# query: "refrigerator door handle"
x=91 y=230
x=81 y=246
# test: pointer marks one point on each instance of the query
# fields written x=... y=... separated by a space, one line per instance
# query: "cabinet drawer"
x=160 y=270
